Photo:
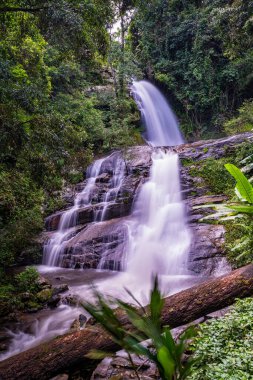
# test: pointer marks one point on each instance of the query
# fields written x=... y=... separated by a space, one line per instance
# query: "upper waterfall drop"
x=162 y=127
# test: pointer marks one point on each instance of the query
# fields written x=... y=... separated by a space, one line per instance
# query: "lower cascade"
x=157 y=238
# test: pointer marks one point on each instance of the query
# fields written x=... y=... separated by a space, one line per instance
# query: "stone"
x=54 y=300
x=70 y=300
x=82 y=320
x=44 y=295
x=57 y=289
x=103 y=178
x=43 y=283
x=75 y=325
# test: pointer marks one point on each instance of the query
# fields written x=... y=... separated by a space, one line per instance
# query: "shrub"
x=223 y=348
x=27 y=281
x=243 y=122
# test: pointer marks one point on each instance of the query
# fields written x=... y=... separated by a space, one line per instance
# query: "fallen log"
x=68 y=351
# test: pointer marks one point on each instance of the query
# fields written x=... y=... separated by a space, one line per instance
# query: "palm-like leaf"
x=243 y=185
x=145 y=323
x=241 y=209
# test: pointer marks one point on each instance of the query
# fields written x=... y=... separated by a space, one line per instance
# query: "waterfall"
x=159 y=238
x=110 y=196
x=158 y=235
x=161 y=124
x=54 y=248
x=158 y=232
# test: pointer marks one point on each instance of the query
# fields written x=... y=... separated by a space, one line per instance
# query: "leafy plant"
x=27 y=281
x=223 y=347
x=244 y=188
x=145 y=323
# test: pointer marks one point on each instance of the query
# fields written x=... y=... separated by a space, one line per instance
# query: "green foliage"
x=51 y=53
x=27 y=281
x=200 y=54
x=243 y=186
x=214 y=175
x=223 y=348
x=239 y=241
x=243 y=122
x=145 y=324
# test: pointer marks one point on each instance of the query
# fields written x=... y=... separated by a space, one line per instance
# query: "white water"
x=159 y=238
x=161 y=124
x=114 y=187
x=42 y=330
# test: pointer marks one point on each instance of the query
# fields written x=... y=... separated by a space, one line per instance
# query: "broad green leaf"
x=166 y=362
x=242 y=209
x=243 y=185
x=169 y=341
x=156 y=303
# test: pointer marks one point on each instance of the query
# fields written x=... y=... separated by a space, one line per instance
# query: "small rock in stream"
x=82 y=320
x=60 y=289
x=54 y=300
x=70 y=300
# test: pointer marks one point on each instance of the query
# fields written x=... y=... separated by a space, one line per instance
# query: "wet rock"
x=54 y=300
x=204 y=149
x=44 y=295
x=70 y=300
x=3 y=347
x=82 y=320
x=60 y=289
x=121 y=368
x=86 y=248
x=75 y=325
x=103 y=178
x=207 y=248
x=52 y=221
x=43 y=283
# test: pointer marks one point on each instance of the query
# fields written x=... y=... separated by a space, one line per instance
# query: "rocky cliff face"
x=90 y=240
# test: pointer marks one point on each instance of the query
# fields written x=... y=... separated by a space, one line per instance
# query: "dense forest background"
x=65 y=70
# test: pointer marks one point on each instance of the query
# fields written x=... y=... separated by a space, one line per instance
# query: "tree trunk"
x=68 y=351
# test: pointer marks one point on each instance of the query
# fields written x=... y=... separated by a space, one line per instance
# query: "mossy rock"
x=44 y=295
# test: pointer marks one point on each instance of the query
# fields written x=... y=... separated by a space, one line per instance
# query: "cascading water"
x=159 y=236
x=160 y=122
x=114 y=186
x=54 y=248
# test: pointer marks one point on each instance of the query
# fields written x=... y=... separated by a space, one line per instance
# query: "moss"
x=187 y=162
x=215 y=176
x=44 y=295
